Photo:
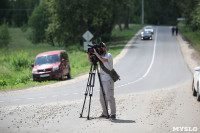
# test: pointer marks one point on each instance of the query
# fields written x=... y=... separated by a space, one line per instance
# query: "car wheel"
x=198 y=94
x=62 y=76
x=193 y=88
x=69 y=74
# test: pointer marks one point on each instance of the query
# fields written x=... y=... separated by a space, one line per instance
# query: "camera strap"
x=112 y=73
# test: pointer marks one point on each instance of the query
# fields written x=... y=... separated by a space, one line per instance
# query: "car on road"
x=146 y=35
x=51 y=65
x=196 y=84
x=149 y=28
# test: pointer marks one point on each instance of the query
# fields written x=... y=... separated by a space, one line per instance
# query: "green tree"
x=16 y=12
x=38 y=21
x=71 y=18
x=4 y=35
x=196 y=18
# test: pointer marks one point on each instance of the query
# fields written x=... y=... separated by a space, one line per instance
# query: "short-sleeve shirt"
x=108 y=65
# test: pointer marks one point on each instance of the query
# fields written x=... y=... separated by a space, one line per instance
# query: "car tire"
x=62 y=76
x=69 y=74
x=198 y=94
x=193 y=88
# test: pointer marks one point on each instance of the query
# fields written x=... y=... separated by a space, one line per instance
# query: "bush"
x=20 y=61
x=3 y=82
x=4 y=35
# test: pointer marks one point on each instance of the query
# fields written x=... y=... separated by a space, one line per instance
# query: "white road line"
x=55 y=96
x=66 y=94
x=1 y=101
x=154 y=52
x=30 y=98
x=15 y=100
x=75 y=93
x=150 y=66
x=42 y=97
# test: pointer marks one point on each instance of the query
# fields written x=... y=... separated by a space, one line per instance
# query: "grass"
x=190 y=35
x=16 y=59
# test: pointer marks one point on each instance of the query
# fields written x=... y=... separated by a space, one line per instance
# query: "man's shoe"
x=102 y=116
x=112 y=116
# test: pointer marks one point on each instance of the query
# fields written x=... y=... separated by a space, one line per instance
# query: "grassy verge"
x=190 y=35
x=16 y=59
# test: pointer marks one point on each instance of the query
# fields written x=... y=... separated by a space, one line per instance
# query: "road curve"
x=148 y=65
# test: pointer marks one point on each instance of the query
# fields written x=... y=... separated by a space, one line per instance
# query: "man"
x=107 y=82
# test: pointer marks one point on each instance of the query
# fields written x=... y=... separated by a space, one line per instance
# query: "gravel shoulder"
x=145 y=112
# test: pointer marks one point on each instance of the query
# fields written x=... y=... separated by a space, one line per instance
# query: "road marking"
x=55 y=96
x=1 y=101
x=75 y=93
x=66 y=94
x=150 y=66
x=154 y=52
x=30 y=98
x=16 y=100
x=42 y=97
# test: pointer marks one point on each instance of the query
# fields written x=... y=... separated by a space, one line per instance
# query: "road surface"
x=148 y=65
x=153 y=95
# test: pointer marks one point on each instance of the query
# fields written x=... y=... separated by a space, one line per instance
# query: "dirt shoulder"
x=157 y=111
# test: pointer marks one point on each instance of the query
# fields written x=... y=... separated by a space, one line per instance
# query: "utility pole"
x=142 y=11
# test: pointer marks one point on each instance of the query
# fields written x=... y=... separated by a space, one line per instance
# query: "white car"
x=196 y=84
x=149 y=28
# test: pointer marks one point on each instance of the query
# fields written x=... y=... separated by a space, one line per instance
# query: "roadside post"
x=87 y=36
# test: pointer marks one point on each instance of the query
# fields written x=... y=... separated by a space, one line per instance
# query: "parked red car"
x=51 y=65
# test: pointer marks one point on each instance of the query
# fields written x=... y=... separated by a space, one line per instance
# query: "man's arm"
x=88 y=57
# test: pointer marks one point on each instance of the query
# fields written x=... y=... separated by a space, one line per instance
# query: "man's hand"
x=95 y=52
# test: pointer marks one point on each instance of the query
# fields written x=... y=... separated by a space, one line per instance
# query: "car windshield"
x=146 y=32
x=149 y=27
x=49 y=59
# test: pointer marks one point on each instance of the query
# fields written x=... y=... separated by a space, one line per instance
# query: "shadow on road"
x=122 y=121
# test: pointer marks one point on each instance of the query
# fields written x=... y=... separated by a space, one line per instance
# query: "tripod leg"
x=103 y=92
x=87 y=88
x=88 y=117
x=86 y=93
x=92 y=81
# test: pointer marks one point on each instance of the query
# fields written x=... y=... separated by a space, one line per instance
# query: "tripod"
x=90 y=86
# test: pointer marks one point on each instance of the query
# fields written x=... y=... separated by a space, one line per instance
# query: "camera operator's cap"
x=102 y=44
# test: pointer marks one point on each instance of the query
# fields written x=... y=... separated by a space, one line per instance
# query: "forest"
x=62 y=22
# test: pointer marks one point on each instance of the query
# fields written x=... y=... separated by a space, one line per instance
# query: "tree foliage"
x=196 y=18
x=73 y=17
x=16 y=12
x=38 y=22
x=4 y=35
x=64 y=21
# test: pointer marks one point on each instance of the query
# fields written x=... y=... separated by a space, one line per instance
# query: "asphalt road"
x=148 y=65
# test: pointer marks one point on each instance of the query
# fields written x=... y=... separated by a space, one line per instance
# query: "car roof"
x=50 y=53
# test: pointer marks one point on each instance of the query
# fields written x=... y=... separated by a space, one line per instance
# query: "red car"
x=51 y=65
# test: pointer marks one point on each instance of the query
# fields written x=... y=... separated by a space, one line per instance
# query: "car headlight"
x=34 y=70
x=55 y=68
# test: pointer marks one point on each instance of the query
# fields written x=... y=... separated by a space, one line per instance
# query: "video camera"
x=98 y=48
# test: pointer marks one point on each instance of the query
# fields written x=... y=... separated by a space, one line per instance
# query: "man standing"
x=107 y=82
